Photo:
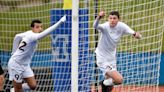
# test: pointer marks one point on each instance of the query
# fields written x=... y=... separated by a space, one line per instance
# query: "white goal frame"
x=75 y=36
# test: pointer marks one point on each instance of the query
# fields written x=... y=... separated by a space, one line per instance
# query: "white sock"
x=108 y=82
x=25 y=86
x=12 y=90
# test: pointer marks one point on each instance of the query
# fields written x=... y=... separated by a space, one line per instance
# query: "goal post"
x=75 y=46
x=63 y=47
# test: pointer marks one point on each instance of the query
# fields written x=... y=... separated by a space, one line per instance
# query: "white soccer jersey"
x=25 y=43
x=24 y=46
x=110 y=37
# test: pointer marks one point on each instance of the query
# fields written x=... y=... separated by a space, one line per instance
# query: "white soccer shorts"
x=106 y=64
x=17 y=71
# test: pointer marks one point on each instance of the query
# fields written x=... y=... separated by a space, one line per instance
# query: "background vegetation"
x=16 y=15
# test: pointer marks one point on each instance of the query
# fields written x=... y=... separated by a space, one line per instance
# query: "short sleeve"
x=127 y=29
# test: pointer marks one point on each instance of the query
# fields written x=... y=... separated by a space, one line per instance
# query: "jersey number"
x=109 y=67
x=23 y=44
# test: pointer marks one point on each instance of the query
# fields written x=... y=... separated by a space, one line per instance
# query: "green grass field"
x=16 y=20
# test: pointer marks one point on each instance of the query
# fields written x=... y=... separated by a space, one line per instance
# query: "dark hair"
x=35 y=21
x=115 y=13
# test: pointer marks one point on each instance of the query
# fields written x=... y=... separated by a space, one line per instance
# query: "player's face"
x=37 y=28
x=113 y=20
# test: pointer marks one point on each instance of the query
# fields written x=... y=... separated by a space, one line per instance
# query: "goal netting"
x=137 y=60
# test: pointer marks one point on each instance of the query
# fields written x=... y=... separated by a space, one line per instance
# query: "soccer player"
x=111 y=32
x=24 y=46
x=1 y=78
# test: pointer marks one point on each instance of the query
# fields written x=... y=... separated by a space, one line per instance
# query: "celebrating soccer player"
x=24 y=46
x=111 y=32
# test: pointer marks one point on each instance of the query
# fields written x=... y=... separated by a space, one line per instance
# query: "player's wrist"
x=99 y=17
x=134 y=34
x=137 y=35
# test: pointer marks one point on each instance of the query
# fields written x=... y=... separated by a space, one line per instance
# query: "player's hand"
x=137 y=35
x=63 y=19
x=101 y=14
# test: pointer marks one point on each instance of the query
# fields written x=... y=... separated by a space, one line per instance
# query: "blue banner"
x=61 y=44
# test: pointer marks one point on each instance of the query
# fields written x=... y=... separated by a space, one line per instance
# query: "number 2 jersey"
x=24 y=46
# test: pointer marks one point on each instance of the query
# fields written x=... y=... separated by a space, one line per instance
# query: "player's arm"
x=137 y=35
x=96 y=22
x=17 y=40
x=52 y=28
x=128 y=30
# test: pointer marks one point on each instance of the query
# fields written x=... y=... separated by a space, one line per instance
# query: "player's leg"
x=112 y=78
x=115 y=77
x=16 y=78
x=105 y=88
x=1 y=79
x=31 y=83
x=15 y=75
x=1 y=82
x=17 y=86
x=28 y=76
x=103 y=65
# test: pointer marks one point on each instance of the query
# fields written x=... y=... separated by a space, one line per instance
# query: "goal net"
x=137 y=60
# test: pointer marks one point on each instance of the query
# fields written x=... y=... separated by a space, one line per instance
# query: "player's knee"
x=33 y=86
x=119 y=81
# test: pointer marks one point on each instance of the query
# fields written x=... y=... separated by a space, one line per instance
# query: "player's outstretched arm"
x=52 y=28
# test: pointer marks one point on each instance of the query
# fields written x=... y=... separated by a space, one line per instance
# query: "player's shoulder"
x=122 y=24
x=105 y=24
x=27 y=35
x=28 y=32
x=30 y=35
x=23 y=33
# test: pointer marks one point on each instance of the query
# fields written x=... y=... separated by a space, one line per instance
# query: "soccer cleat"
x=106 y=88
x=63 y=19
